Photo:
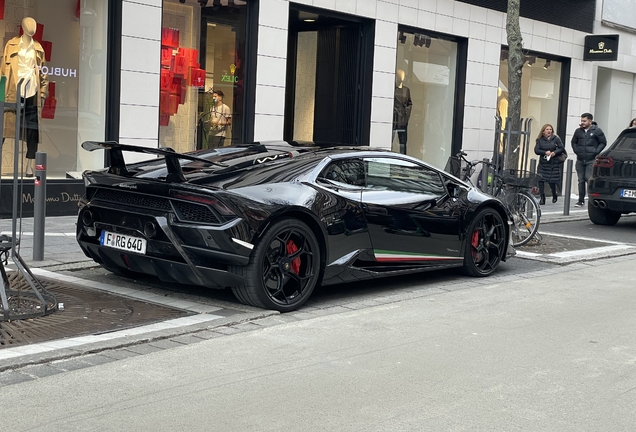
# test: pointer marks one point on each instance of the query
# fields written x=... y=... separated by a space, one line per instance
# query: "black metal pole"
x=485 y=171
x=568 y=188
x=39 y=206
x=16 y=167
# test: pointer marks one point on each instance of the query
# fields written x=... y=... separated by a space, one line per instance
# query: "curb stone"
x=98 y=347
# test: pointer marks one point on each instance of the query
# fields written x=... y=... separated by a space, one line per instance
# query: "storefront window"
x=203 y=73
x=68 y=86
x=424 y=97
x=540 y=91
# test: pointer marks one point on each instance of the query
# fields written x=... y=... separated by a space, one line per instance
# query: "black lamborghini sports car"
x=273 y=221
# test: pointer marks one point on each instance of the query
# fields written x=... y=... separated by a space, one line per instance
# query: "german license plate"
x=123 y=242
x=628 y=193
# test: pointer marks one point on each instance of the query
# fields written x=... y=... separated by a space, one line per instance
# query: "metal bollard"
x=39 y=206
x=568 y=188
x=484 y=175
x=533 y=170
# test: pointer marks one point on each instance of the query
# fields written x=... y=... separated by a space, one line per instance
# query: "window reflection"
x=424 y=97
x=540 y=90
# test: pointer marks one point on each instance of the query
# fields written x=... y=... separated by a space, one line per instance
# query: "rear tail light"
x=217 y=205
x=604 y=162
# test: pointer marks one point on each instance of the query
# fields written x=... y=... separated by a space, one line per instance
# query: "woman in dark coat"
x=548 y=147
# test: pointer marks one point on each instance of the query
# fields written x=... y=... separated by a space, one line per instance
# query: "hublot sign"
x=601 y=48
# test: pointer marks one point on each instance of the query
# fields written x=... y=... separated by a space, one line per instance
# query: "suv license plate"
x=123 y=242
x=628 y=193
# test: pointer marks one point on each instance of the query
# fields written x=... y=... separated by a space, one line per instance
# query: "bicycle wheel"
x=526 y=216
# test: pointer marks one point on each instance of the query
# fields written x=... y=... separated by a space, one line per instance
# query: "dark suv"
x=612 y=188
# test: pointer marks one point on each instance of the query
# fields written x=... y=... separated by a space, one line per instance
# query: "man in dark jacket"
x=587 y=142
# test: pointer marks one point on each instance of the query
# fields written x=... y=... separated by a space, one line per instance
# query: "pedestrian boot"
x=554 y=197
x=542 y=200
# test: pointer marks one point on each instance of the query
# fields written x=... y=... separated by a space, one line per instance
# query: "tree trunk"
x=515 y=68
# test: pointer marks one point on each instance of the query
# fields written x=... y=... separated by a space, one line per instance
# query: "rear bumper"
x=176 y=252
x=606 y=194
x=165 y=270
x=609 y=202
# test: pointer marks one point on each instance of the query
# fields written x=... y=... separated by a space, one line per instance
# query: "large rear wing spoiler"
x=118 y=165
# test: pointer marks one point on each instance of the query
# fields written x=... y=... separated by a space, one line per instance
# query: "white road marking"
x=581 y=238
x=30 y=234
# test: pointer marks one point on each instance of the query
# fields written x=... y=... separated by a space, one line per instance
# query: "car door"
x=409 y=214
x=342 y=210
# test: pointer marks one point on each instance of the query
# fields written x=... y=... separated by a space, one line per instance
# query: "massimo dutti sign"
x=601 y=48
x=62 y=197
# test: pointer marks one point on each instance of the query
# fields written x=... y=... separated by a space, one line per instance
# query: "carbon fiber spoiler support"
x=118 y=164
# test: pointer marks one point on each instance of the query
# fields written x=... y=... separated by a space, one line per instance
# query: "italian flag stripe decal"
x=386 y=256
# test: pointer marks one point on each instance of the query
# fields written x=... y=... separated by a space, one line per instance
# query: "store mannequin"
x=402 y=106
x=24 y=58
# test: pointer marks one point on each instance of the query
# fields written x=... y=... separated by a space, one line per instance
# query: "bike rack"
x=502 y=138
x=24 y=292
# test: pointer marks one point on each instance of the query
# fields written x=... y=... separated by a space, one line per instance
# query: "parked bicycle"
x=511 y=187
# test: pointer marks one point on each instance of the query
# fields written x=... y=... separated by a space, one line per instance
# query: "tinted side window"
x=348 y=171
x=402 y=176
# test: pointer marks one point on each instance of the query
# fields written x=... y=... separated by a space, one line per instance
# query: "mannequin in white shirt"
x=25 y=65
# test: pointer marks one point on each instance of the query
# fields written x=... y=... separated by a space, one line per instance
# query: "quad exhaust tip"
x=599 y=203
x=88 y=218
x=150 y=229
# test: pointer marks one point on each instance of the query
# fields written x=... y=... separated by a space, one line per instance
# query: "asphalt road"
x=624 y=231
x=323 y=297
x=547 y=350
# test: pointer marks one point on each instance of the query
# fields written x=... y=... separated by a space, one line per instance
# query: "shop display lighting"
x=422 y=40
x=547 y=64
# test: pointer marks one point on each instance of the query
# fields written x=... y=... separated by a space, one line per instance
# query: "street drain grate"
x=86 y=312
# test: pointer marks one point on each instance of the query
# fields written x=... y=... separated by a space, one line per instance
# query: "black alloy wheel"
x=284 y=268
x=485 y=244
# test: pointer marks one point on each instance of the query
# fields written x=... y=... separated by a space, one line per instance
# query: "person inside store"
x=587 y=142
x=24 y=58
x=548 y=147
x=220 y=120
x=632 y=123
x=402 y=107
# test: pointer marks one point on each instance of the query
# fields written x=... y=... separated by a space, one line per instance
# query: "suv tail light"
x=604 y=162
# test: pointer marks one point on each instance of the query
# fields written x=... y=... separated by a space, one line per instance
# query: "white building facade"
x=466 y=86
x=144 y=71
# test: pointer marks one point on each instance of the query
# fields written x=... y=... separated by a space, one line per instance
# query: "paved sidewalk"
x=61 y=250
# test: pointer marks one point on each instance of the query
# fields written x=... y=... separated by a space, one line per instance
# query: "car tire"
x=284 y=268
x=485 y=243
x=601 y=216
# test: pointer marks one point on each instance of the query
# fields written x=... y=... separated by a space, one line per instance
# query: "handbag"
x=563 y=156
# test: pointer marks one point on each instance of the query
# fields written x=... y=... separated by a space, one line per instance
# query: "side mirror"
x=453 y=189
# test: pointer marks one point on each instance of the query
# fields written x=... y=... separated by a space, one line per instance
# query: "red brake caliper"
x=291 y=248
x=474 y=241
